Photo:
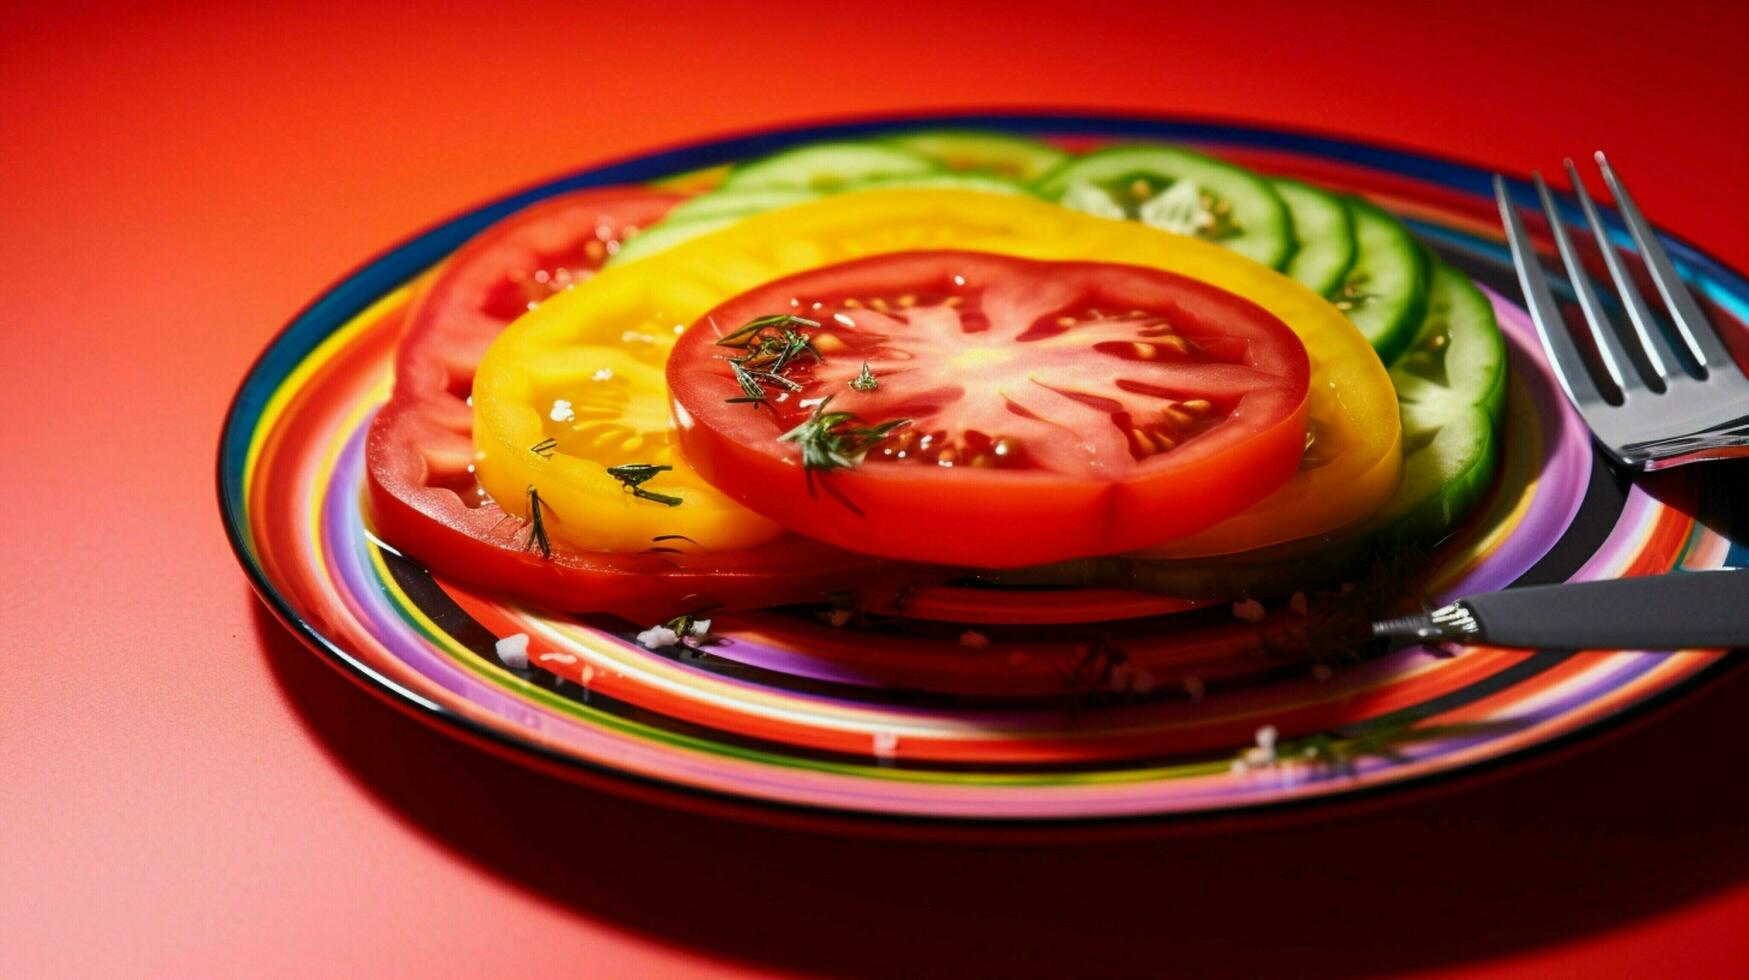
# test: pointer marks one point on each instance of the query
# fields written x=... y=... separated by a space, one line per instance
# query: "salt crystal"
x=513 y=651
x=886 y=745
x=657 y=637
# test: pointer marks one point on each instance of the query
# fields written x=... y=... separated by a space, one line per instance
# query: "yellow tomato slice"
x=580 y=377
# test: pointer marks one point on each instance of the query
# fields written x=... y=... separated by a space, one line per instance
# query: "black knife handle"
x=1656 y=612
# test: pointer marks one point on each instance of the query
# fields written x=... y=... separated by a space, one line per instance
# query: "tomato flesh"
x=614 y=334
x=425 y=499
x=1051 y=408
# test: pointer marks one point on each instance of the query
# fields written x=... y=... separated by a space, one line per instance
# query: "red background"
x=184 y=789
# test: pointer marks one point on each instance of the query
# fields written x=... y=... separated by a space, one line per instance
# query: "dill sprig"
x=1340 y=753
x=537 y=526
x=750 y=330
x=692 y=630
x=865 y=381
x=635 y=475
x=769 y=345
x=838 y=440
x=751 y=390
x=659 y=547
x=753 y=383
x=545 y=448
x=774 y=353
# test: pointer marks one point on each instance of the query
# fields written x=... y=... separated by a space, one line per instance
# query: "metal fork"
x=1674 y=416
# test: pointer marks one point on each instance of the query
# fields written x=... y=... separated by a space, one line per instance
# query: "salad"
x=864 y=376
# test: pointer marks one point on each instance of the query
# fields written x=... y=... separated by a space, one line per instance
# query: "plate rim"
x=357 y=287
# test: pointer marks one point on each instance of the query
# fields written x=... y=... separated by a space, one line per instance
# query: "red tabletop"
x=184 y=790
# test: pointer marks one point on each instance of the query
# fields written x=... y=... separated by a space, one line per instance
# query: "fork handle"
x=1681 y=610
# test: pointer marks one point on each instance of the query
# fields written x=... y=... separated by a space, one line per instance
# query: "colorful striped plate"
x=792 y=714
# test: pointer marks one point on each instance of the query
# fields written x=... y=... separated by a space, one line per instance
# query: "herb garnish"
x=545 y=448
x=752 y=382
x=635 y=475
x=1341 y=752
x=537 y=527
x=770 y=344
x=837 y=440
x=689 y=631
x=749 y=331
x=778 y=351
x=662 y=549
x=866 y=380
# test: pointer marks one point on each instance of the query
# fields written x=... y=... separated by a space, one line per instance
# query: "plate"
x=922 y=725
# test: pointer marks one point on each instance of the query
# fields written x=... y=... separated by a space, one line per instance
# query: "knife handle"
x=1677 y=611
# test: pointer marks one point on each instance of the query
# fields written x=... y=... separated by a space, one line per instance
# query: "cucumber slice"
x=1448 y=464
x=1459 y=353
x=1451 y=390
x=1323 y=232
x=1385 y=290
x=975 y=151
x=738 y=203
x=828 y=166
x=721 y=208
x=693 y=181
x=1227 y=204
x=667 y=234
x=988 y=183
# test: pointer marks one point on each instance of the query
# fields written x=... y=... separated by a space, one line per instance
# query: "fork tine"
x=1621 y=370
x=1703 y=341
x=1652 y=342
x=1564 y=357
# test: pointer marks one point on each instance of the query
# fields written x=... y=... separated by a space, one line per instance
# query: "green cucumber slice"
x=666 y=234
x=988 y=183
x=1451 y=391
x=1323 y=232
x=725 y=206
x=976 y=151
x=1448 y=464
x=828 y=166
x=731 y=202
x=1385 y=290
x=1229 y=205
x=1458 y=354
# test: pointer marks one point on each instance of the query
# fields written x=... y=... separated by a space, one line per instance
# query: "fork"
x=1674 y=415
x=1666 y=417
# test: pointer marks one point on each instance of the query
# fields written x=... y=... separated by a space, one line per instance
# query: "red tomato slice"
x=1056 y=409
x=419 y=453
